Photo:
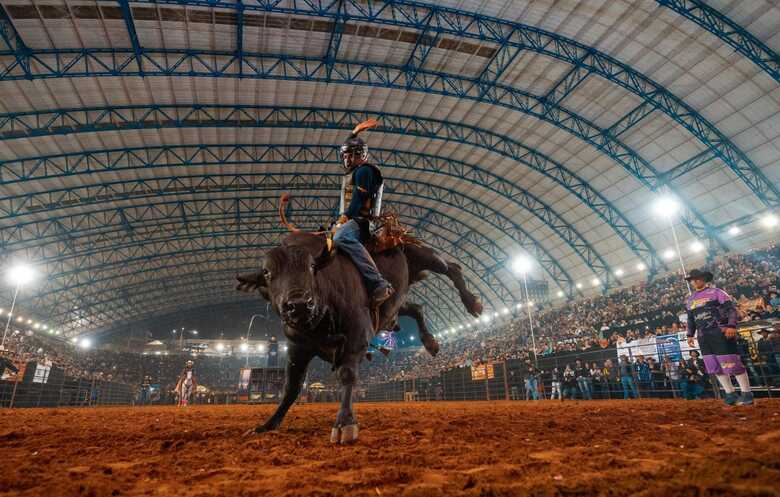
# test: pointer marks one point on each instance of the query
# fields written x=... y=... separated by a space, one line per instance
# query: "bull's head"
x=288 y=280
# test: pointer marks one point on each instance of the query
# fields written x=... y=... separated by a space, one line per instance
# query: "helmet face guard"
x=353 y=153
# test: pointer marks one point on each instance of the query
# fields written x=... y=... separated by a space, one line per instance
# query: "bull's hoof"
x=344 y=434
x=475 y=309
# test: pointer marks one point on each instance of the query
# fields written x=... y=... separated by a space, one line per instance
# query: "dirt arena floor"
x=643 y=448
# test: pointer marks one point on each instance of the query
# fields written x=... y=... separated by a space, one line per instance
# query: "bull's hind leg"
x=298 y=360
x=414 y=311
x=426 y=259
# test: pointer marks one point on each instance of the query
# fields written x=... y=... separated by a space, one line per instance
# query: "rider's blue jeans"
x=348 y=240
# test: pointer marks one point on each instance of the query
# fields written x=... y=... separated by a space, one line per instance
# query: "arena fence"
x=507 y=380
x=42 y=386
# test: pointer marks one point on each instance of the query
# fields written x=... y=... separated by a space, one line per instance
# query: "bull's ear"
x=325 y=257
x=253 y=282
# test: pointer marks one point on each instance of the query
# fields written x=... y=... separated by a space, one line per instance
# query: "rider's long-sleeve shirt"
x=709 y=310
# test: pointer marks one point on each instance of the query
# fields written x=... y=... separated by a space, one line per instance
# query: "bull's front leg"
x=345 y=429
x=298 y=359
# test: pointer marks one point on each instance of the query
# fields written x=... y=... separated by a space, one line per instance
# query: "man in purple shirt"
x=712 y=318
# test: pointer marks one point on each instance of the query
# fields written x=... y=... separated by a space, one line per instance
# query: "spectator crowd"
x=575 y=328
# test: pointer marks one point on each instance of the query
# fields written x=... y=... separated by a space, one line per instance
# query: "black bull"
x=323 y=303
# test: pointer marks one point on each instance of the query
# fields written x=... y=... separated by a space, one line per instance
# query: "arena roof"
x=144 y=144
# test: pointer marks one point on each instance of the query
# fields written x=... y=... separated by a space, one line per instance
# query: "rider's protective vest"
x=372 y=206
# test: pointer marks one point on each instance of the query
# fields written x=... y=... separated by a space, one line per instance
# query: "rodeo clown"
x=712 y=318
x=186 y=384
x=361 y=201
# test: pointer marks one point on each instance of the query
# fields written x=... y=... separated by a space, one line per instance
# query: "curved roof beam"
x=56 y=199
x=69 y=229
x=52 y=122
x=159 y=297
x=77 y=288
x=729 y=32
x=432 y=21
x=116 y=62
x=413 y=161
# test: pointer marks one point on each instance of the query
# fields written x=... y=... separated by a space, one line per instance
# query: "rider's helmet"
x=353 y=153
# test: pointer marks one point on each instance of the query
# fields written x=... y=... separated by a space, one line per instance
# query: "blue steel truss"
x=506 y=36
x=110 y=62
x=66 y=121
x=729 y=32
x=97 y=230
x=137 y=190
x=121 y=256
x=117 y=255
x=257 y=153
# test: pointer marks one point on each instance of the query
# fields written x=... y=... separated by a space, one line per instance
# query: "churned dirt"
x=610 y=448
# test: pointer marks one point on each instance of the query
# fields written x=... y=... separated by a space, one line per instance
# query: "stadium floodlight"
x=770 y=221
x=485 y=319
x=460 y=327
x=530 y=303
x=522 y=264
x=641 y=266
x=595 y=282
x=666 y=206
x=29 y=321
x=734 y=231
x=45 y=327
x=697 y=246
x=560 y=293
x=74 y=340
x=20 y=274
x=194 y=332
x=85 y=343
x=505 y=310
x=37 y=326
x=619 y=272
x=244 y=347
x=261 y=348
x=519 y=305
x=19 y=319
x=495 y=315
x=578 y=285
x=220 y=347
x=669 y=254
x=284 y=348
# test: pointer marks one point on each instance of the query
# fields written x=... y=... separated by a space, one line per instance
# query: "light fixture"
x=641 y=266
x=578 y=285
x=769 y=221
x=74 y=340
x=486 y=318
x=495 y=314
x=20 y=319
x=220 y=347
x=595 y=281
x=519 y=305
x=666 y=206
x=530 y=303
x=619 y=272
x=460 y=327
x=261 y=348
x=668 y=254
x=560 y=293
x=45 y=327
x=85 y=343
x=244 y=347
x=505 y=310
x=20 y=274
x=734 y=231
x=522 y=264
x=697 y=246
